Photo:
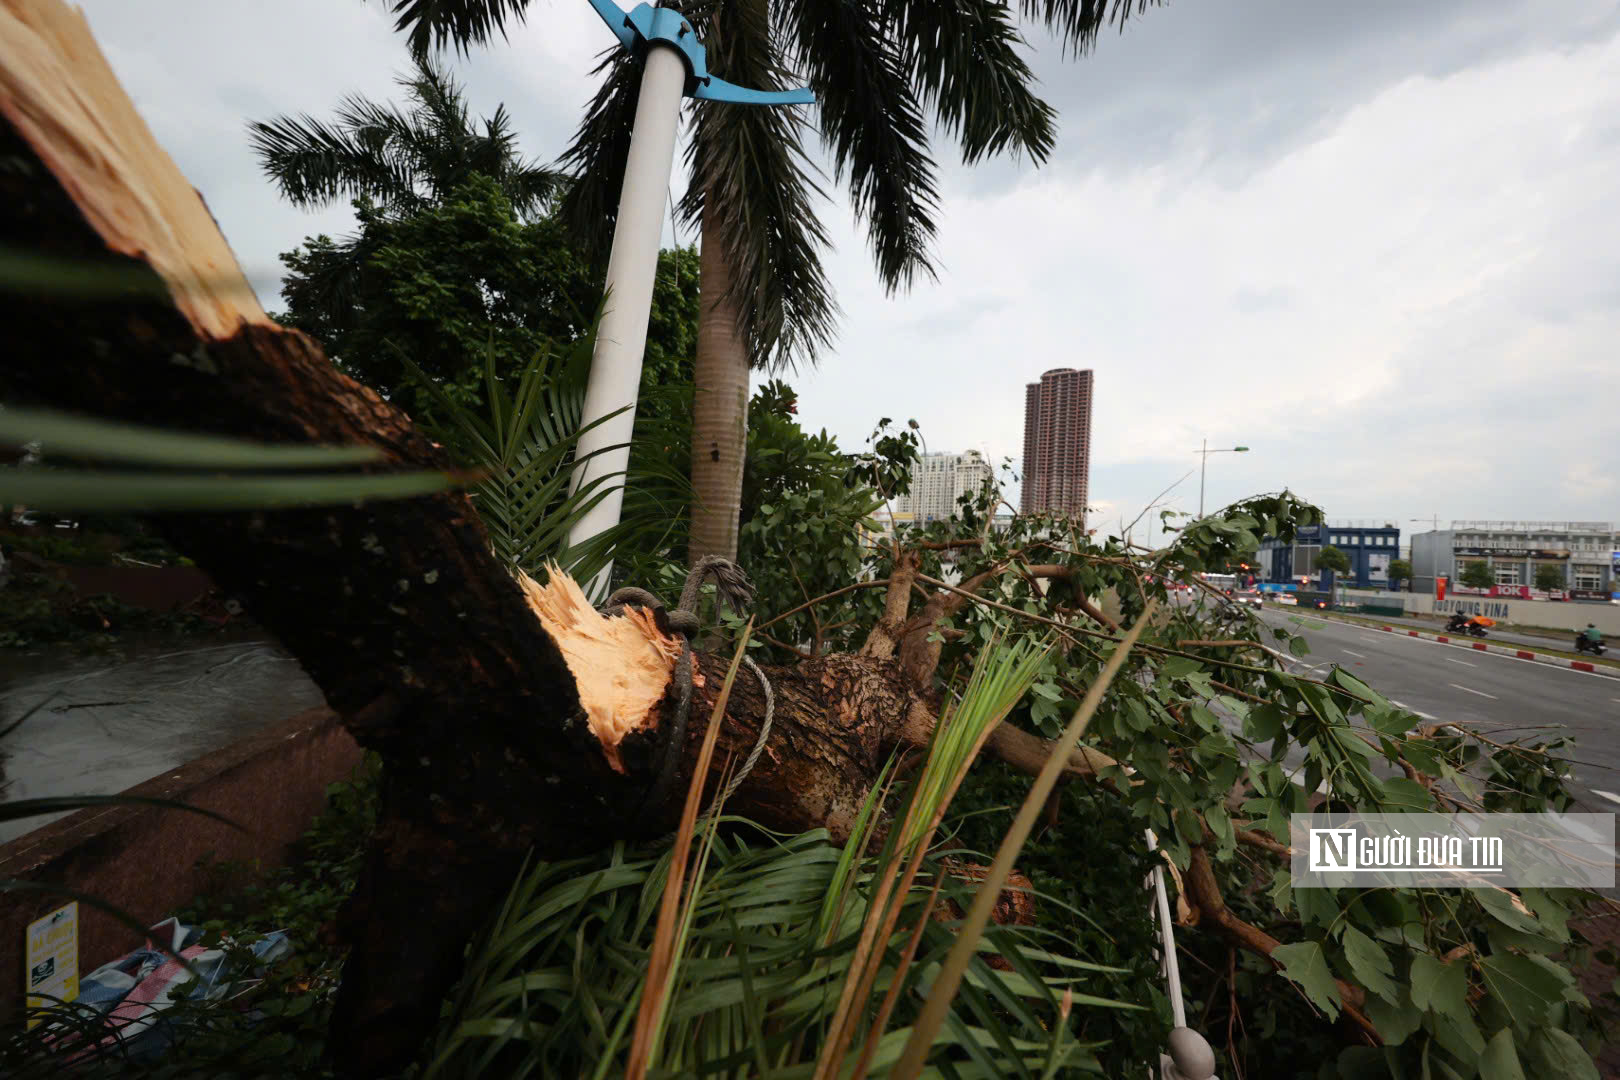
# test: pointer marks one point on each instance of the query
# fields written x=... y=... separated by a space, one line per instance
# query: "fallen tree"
x=399 y=611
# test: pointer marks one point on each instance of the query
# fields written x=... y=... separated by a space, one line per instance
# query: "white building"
x=938 y=480
x=1585 y=553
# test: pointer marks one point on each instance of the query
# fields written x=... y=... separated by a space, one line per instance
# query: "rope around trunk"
x=733 y=589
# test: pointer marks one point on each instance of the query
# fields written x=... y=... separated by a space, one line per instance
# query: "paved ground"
x=1497 y=695
x=1565 y=642
x=103 y=726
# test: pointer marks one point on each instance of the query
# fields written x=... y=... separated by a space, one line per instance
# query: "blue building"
x=1371 y=546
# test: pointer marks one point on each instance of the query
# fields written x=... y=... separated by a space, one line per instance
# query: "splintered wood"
x=58 y=91
x=621 y=665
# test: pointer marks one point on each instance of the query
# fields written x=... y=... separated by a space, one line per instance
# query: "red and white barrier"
x=1521 y=654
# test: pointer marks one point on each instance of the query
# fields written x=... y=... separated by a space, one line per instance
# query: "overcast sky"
x=1379 y=243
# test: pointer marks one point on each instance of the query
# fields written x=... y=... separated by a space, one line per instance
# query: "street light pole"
x=674 y=66
x=1435 y=572
x=1203 y=452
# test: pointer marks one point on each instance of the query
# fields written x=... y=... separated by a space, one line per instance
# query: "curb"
x=1522 y=654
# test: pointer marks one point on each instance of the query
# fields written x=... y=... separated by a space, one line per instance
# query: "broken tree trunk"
x=399 y=611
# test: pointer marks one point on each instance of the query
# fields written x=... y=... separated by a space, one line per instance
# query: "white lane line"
x=1481 y=693
x=1499 y=656
x=1464 y=663
x=1353 y=652
x=1611 y=796
x=1371 y=639
x=1414 y=712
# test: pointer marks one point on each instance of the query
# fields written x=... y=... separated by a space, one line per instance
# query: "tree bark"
x=719 y=406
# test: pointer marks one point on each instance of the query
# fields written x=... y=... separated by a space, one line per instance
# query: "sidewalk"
x=1611 y=670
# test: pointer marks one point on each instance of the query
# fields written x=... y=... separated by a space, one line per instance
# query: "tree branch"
x=1204 y=893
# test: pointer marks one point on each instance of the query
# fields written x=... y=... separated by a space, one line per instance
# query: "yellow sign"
x=53 y=958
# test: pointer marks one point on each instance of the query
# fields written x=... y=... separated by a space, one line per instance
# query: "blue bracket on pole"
x=640 y=27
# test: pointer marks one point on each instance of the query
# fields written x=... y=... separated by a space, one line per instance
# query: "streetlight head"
x=1241 y=449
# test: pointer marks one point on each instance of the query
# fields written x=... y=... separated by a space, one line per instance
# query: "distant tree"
x=1399 y=570
x=1549 y=577
x=1331 y=558
x=1477 y=575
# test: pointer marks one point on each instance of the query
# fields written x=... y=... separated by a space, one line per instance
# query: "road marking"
x=1464 y=663
x=1371 y=639
x=1353 y=652
x=1611 y=796
x=1408 y=708
x=1576 y=666
x=1481 y=693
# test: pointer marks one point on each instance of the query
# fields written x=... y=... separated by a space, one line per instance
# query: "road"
x=1495 y=695
x=1564 y=642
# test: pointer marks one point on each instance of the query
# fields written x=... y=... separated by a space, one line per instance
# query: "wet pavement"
x=103 y=724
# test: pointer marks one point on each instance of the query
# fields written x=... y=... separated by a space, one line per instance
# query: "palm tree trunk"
x=720 y=407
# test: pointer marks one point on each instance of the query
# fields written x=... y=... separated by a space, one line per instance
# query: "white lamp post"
x=1203 y=454
x=673 y=65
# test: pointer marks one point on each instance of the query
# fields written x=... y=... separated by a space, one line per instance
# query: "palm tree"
x=402 y=160
x=882 y=71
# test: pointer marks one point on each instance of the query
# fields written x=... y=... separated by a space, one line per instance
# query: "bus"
x=1223 y=582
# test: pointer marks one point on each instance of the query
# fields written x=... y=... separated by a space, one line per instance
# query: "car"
x=1250 y=598
x=1285 y=599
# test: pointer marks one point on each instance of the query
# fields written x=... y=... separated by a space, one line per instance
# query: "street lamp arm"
x=644 y=24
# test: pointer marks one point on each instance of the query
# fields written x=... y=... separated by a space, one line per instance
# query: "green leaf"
x=1369 y=964
x=1460 y=1037
x=107 y=440
x=1554 y=1052
x=1501 y=908
x=1500 y=1061
x=1438 y=987
x=1264 y=723
x=1403 y=795
x=76 y=491
x=1525 y=987
x=1395 y=1021
x=1220 y=823
x=1305 y=964
x=1390 y=721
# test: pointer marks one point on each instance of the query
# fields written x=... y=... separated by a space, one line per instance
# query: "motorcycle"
x=1461 y=624
x=1596 y=648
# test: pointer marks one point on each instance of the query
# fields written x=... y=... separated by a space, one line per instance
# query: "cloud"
x=1375 y=242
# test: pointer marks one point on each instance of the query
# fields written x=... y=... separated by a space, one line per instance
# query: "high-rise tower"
x=1057 y=443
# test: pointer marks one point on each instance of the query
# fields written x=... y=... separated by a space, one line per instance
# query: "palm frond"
x=312 y=162
x=433 y=24
x=401 y=159
x=873 y=125
x=596 y=156
x=757 y=196
x=1078 y=22
x=553 y=985
x=524 y=449
x=178 y=470
x=965 y=59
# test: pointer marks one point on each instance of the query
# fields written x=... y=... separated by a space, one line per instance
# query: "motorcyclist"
x=1592 y=634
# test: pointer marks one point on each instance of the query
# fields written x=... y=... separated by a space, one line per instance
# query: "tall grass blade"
x=650 y=1019
x=945 y=986
x=80 y=437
